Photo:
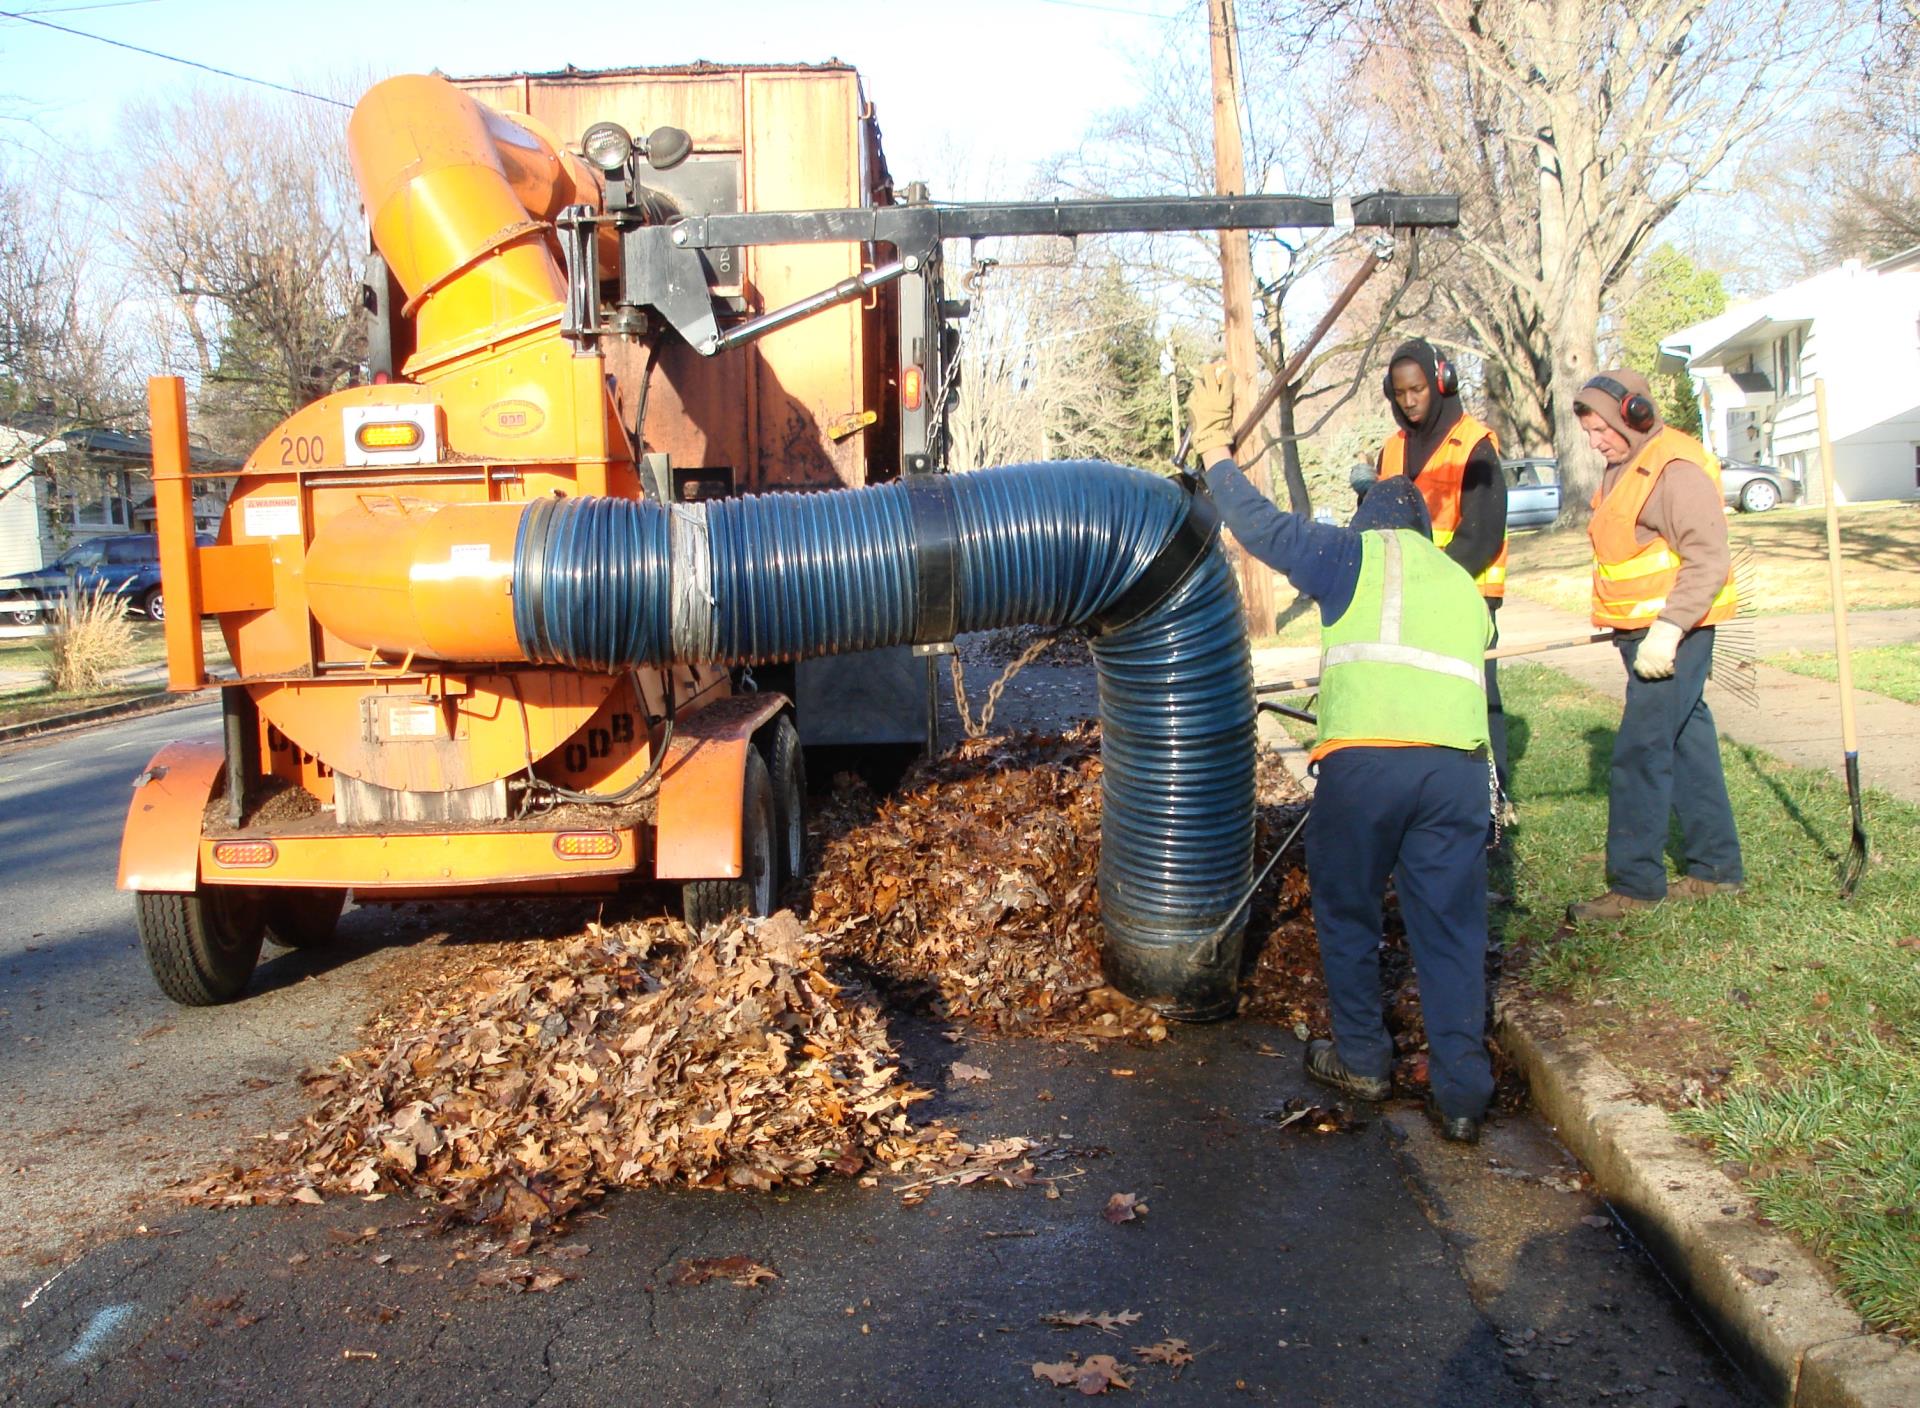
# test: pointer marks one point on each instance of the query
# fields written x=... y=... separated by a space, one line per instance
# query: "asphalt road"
x=1375 y=1267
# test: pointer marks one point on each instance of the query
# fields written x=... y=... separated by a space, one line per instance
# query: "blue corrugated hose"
x=793 y=575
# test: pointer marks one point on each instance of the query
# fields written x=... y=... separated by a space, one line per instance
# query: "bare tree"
x=1059 y=360
x=1571 y=129
x=1302 y=132
x=66 y=364
x=246 y=224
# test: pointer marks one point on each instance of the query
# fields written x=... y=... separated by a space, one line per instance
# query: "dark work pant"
x=1419 y=815
x=1666 y=759
x=1496 y=714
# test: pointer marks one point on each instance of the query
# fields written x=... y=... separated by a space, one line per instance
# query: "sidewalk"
x=1797 y=717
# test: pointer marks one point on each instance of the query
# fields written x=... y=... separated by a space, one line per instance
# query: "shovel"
x=1856 y=861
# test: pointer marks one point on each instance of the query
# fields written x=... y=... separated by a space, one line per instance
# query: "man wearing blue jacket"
x=1404 y=780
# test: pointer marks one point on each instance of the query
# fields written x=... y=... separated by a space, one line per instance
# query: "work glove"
x=1654 y=659
x=1210 y=410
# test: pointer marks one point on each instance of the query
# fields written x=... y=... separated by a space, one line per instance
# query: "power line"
x=171 y=58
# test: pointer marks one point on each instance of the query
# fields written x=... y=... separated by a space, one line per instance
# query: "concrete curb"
x=1793 y=1335
x=157 y=703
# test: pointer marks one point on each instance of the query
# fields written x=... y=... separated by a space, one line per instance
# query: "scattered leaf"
x=1123 y=1207
x=1093 y=1375
x=961 y=1071
x=1174 y=1352
x=1109 y=1321
x=740 y=1270
x=1760 y=1275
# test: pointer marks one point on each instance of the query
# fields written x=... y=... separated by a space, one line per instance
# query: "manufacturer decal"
x=512 y=418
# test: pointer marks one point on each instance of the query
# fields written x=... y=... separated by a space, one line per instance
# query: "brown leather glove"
x=1210 y=410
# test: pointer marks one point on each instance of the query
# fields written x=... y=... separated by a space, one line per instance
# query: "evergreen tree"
x=1673 y=293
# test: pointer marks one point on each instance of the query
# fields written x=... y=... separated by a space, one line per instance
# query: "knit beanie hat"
x=1606 y=403
x=1390 y=504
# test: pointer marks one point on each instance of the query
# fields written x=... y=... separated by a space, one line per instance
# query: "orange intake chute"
x=461 y=199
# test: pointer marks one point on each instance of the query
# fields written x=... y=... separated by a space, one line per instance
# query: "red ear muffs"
x=1636 y=410
x=1446 y=381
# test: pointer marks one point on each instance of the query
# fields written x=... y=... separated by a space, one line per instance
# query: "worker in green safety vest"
x=1404 y=779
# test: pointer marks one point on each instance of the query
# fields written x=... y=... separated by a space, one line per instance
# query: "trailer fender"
x=697 y=826
x=160 y=849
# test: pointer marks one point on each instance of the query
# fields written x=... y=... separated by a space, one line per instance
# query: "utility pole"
x=1236 y=278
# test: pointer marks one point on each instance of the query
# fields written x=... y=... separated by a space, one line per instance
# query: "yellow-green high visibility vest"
x=1404 y=663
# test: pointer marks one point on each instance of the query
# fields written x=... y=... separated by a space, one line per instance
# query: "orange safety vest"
x=1631 y=580
x=1439 y=483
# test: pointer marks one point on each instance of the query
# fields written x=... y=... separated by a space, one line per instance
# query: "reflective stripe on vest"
x=1631 y=580
x=1403 y=664
x=1440 y=481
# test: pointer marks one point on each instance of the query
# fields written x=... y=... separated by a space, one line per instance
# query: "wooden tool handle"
x=1842 y=656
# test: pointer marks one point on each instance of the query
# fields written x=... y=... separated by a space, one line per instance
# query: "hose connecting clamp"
x=936 y=557
x=1170 y=568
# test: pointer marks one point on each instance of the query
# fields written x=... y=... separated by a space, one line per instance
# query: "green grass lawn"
x=1892 y=670
x=1879 y=545
x=149 y=647
x=1784 y=1025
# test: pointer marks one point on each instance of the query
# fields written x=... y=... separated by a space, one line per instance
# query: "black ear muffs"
x=1636 y=410
x=1446 y=381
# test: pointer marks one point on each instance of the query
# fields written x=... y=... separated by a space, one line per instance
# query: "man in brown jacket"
x=1662 y=580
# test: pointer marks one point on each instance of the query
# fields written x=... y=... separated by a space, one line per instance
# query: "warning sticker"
x=412 y=721
x=270 y=517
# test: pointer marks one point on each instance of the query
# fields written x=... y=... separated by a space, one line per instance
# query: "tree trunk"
x=1297 y=497
x=1573 y=329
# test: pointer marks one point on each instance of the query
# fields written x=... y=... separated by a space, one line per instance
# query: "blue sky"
x=967 y=95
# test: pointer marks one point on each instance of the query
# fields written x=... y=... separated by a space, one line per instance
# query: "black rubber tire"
x=302 y=918
x=787 y=766
x=27 y=616
x=154 y=604
x=704 y=902
x=201 y=947
x=1761 y=502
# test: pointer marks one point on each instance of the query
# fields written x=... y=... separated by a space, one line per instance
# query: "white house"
x=111 y=492
x=1858 y=328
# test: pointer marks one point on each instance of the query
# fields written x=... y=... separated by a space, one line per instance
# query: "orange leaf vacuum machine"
x=646 y=489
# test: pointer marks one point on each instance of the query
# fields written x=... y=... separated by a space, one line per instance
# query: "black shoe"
x=1324 y=1065
x=1455 y=1129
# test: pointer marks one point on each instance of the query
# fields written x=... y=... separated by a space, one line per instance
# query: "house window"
x=101 y=501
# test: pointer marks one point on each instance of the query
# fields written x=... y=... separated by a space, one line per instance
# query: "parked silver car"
x=1533 y=492
x=1533 y=489
x=1755 y=488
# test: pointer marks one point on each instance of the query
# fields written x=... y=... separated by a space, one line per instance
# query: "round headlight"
x=607 y=145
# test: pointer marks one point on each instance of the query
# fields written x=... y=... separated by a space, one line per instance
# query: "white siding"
x=20 y=549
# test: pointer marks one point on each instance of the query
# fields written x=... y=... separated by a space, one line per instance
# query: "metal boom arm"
x=916 y=228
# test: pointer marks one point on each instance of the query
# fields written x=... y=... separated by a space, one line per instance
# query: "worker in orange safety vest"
x=1662 y=581
x=1454 y=461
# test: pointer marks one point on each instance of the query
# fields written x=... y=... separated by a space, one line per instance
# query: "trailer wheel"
x=302 y=918
x=201 y=947
x=788 y=766
x=705 y=902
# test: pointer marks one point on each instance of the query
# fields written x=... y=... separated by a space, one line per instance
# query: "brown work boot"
x=1695 y=887
x=1605 y=909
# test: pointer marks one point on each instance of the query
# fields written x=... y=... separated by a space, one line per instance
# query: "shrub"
x=91 y=638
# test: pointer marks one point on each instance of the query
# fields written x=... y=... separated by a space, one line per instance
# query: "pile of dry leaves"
x=627 y=1055
x=975 y=884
